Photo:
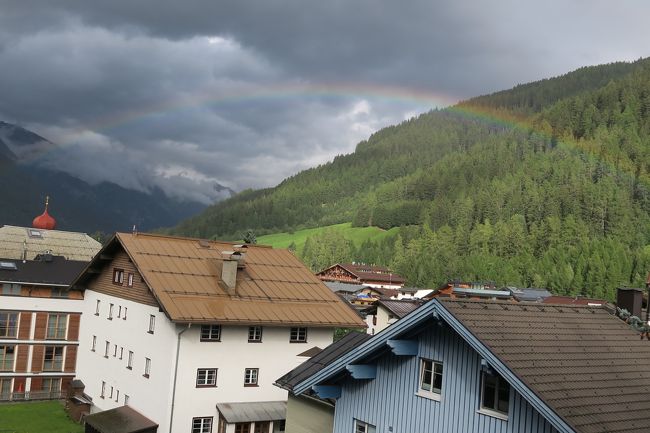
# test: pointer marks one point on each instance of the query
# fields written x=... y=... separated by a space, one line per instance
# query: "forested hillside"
x=543 y=185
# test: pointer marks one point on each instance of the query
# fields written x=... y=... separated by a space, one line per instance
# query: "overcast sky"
x=183 y=94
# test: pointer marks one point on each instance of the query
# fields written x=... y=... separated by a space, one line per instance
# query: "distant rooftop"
x=18 y=241
x=47 y=270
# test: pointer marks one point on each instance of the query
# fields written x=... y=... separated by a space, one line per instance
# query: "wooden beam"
x=362 y=371
x=327 y=391
x=93 y=271
x=403 y=347
x=105 y=257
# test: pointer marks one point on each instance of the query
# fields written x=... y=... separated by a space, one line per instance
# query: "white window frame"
x=206 y=377
x=298 y=334
x=210 y=333
x=255 y=334
x=110 y=311
x=202 y=424
x=129 y=361
x=147 y=368
x=363 y=427
x=98 y=302
x=251 y=376
x=55 y=363
x=10 y=322
x=152 y=323
x=7 y=357
x=94 y=345
x=60 y=329
x=500 y=381
x=435 y=369
x=118 y=276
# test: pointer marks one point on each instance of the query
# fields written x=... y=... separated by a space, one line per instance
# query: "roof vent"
x=203 y=243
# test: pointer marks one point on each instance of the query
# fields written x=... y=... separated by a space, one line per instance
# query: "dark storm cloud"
x=181 y=94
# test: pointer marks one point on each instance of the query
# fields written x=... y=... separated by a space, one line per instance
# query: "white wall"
x=274 y=357
x=150 y=396
x=25 y=303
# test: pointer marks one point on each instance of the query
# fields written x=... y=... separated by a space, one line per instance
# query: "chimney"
x=229 y=270
x=630 y=299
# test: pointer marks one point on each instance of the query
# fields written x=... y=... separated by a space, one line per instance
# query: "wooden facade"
x=383 y=401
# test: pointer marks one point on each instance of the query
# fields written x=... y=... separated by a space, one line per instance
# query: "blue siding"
x=390 y=400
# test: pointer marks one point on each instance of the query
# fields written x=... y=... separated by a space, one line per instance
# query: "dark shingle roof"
x=58 y=271
x=321 y=360
x=402 y=307
x=587 y=365
x=123 y=419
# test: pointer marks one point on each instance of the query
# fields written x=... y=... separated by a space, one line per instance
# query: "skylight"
x=33 y=233
x=8 y=265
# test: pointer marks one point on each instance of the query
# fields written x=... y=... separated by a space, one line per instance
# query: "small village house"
x=367 y=275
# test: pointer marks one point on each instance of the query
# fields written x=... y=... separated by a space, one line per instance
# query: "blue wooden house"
x=487 y=366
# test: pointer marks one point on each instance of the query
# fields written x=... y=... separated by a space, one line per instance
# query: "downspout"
x=178 y=351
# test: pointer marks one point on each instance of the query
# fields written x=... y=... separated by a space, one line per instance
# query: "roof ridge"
x=187 y=238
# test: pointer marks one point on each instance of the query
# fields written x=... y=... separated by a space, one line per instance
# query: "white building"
x=192 y=334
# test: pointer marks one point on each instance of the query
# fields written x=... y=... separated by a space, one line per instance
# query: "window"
x=430 y=378
x=53 y=358
x=8 y=266
x=11 y=289
x=121 y=352
x=8 y=324
x=33 y=233
x=110 y=311
x=97 y=307
x=118 y=276
x=495 y=393
x=129 y=280
x=111 y=394
x=129 y=362
x=206 y=377
x=106 y=349
x=94 y=343
x=124 y=317
x=202 y=425
x=60 y=292
x=52 y=385
x=115 y=351
x=117 y=395
x=119 y=311
x=262 y=427
x=5 y=388
x=254 y=334
x=152 y=323
x=7 y=354
x=211 y=333
x=57 y=326
x=363 y=427
x=147 y=367
x=126 y=399
x=298 y=335
x=243 y=427
x=250 y=376
x=281 y=425
x=103 y=389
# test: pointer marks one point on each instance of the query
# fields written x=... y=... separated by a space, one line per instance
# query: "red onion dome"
x=44 y=221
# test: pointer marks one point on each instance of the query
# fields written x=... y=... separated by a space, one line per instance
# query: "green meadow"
x=36 y=417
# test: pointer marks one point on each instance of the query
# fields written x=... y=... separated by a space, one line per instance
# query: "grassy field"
x=36 y=417
x=358 y=235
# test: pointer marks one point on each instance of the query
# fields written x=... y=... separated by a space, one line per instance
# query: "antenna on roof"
x=135 y=230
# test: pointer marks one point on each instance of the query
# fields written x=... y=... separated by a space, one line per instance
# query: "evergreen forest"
x=543 y=185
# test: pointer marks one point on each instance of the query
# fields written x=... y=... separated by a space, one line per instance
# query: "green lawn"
x=356 y=234
x=36 y=417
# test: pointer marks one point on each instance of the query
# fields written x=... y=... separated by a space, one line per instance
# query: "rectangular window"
x=152 y=323
x=126 y=399
x=118 y=276
x=60 y=292
x=11 y=289
x=106 y=349
x=97 y=307
x=117 y=395
x=115 y=351
x=121 y=352
x=57 y=326
x=8 y=324
x=298 y=335
x=119 y=311
x=129 y=280
x=254 y=334
x=495 y=393
x=363 y=427
x=111 y=394
x=94 y=343
x=243 y=427
x=5 y=388
x=52 y=387
x=147 y=367
x=110 y=311
x=103 y=389
x=210 y=332
x=202 y=425
x=124 y=317
x=206 y=377
x=430 y=377
x=281 y=425
x=7 y=355
x=262 y=427
x=250 y=376
x=53 y=358
x=129 y=362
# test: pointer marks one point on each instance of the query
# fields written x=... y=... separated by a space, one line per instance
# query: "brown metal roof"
x=586 y=364
x=274 y=287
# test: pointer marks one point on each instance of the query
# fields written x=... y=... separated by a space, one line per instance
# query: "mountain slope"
x=75 y=204
x=543 y=185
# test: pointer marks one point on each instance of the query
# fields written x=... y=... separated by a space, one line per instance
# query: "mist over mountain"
x=77 y=205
